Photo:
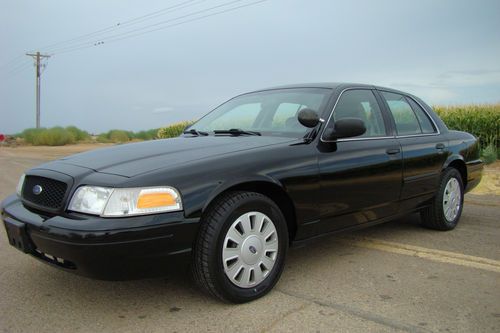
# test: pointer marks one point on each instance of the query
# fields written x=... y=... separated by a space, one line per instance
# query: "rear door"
x=361 y=176
x=424 y=149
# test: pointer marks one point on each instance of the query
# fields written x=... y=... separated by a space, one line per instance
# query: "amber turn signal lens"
x=153 y=200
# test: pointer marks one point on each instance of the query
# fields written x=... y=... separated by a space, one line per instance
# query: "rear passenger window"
x=423 y=118
x=406 y=120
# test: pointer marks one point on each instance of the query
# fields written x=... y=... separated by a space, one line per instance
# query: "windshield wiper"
x=195 y=132
x=237 y=131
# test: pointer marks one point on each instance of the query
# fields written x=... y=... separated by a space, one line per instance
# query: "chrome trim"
x=379 y=137
x=367 y=138
x=414 y=135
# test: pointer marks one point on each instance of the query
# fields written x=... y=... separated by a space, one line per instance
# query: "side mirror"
x=308 y=118
x=346 y=128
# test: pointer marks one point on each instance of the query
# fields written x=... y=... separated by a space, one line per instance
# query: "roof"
x=333 y=85
x=329 y=85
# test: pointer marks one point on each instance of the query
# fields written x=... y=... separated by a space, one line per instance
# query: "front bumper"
x=102 y=248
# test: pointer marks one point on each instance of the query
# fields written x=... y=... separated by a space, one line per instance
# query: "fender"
x=222 y=187
x=453 y=157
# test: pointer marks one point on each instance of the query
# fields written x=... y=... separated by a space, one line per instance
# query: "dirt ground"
x=395 y=277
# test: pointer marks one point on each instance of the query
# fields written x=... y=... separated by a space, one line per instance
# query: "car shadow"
x=180 y=287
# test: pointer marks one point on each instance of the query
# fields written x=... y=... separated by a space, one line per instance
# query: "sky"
x=444 y=51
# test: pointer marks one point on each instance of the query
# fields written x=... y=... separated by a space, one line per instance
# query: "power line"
x=102 y=40
x=19 y=68
x=128 y=22
x=20 y=58
x=187 y=21
x=13 y=62
x=135 y=32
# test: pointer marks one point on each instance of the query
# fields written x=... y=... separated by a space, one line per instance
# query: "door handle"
x=392 y=151
x=440 y=146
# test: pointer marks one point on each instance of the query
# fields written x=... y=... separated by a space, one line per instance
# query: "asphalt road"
x=392 y=277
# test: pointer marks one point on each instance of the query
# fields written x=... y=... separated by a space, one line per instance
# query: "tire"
x=437 y=216
x=228 y=217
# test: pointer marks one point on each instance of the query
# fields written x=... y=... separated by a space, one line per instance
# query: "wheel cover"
x=452 y=199
x=250 y=249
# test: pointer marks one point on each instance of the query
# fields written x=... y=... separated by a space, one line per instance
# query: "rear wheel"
x=241 y=247
x=446 y=208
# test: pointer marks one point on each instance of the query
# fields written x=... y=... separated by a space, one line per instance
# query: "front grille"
x=51 y=195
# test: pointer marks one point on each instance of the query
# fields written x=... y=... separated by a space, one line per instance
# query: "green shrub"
x=118 y=136
x=55 y=136
x=29 y=135
x=103 y=138
x=173 y=130
x=115 y=136
x=146 y=135
x=121 y=136
x=78 y=134
x=489 y=154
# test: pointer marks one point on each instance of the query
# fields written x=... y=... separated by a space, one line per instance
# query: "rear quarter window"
x=404 y=117
x=425 y=123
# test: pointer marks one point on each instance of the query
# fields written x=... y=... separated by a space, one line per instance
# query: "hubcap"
x=250 y=249
x=452 y=199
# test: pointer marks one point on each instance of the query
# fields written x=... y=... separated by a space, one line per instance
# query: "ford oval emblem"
x=37 y=189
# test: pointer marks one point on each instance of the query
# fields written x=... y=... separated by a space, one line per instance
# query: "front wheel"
x=241 y=247
x=446 y=208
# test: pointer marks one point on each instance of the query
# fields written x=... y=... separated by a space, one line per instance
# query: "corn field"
x=481 y=120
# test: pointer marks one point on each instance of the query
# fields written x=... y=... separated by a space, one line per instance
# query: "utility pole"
x=38 y=57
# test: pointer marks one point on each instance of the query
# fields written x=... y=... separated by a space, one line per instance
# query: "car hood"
x=130 y=160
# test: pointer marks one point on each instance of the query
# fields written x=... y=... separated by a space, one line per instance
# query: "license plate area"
x=18 y=236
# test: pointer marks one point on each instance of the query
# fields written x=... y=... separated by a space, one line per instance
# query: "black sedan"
x=262 y=171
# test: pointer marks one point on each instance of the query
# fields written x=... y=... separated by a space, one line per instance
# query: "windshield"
x=272 y=112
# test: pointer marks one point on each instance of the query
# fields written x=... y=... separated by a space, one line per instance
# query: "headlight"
x=19 y=188
x=90 y=199
x=116 y=202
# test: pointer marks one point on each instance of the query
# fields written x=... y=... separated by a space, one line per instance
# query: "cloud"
x=468 y=77
x=448 y=87
x=162 y=109
x=439 y=95
x=431 y=92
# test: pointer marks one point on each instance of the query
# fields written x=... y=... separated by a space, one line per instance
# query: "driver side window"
x=361 y=104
